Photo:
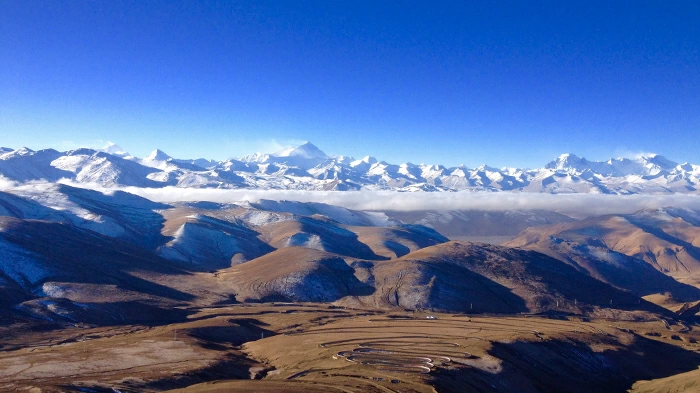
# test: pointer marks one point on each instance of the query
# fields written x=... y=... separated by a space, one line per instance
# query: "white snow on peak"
x=486 y=168
x=114 y=149
x=306 y=167
x=659 y=161
x=366 y=161
x=158 y=155
x=22 y=151
x=459 y=171
x=347 y=160
x=566 y=161
x=255 y=157
x=306 y=150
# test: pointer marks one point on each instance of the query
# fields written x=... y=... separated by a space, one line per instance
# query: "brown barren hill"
x=636 y=252
x=454 y=276
x=67 y=273
x=614 y=268
x=669 y=243
x=294 y=274
x=394 y=242
x=199 y=241
x=318 y=234
x=688 y=382
x=476 y=277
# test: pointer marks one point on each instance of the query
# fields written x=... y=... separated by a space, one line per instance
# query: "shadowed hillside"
x=473 y=277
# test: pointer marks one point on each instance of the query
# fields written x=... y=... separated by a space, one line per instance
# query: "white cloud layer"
x=6 y=183
x=576 y=205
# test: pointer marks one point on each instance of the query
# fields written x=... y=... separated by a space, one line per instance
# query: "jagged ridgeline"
x=306 y=167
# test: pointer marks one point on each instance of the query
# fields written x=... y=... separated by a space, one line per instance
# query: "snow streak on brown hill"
x=71 y=254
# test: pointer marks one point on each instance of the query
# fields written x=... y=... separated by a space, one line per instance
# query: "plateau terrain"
x=104 y=290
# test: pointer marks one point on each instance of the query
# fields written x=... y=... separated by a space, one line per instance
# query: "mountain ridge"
x=306 y=167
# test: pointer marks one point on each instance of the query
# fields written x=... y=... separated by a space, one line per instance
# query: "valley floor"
x=310 y=347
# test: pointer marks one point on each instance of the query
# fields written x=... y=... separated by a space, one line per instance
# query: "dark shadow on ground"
x=570 y=366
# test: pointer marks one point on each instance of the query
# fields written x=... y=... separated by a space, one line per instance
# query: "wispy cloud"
x=632 y=154
x=241 y=147
x=274 y=145
x=66 y=145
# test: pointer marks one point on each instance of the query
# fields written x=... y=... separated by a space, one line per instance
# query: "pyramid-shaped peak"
x=305 y=150
x=158 y=155
x=369 y=159
x=485 y=168
x=569 y=157
x=566 y=160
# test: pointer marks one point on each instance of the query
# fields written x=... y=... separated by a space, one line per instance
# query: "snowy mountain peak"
x=686 y=167
x=566 y=161
x=433 y=167
x=255 y=157
x=568 y=158
x=22 y=151
x=660 y=161
x=486 y=168
x=306 y=150
x=306 y=167
x=114 y=149
x=158 y=155
x=367 y=160
x=347 y=160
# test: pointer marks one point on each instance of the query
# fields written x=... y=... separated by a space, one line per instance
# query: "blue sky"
x=503 y=83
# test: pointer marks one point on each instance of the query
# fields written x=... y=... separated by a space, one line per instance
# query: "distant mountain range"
x=306 y=167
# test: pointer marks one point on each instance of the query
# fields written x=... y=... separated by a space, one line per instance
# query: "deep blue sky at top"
x=504 y=83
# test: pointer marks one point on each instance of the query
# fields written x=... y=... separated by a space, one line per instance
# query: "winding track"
x=406 y=351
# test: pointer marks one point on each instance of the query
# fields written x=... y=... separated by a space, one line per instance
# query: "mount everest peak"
x=114 y=149
x=305 y=150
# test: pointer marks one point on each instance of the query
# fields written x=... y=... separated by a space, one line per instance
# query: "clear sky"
x=503 y=83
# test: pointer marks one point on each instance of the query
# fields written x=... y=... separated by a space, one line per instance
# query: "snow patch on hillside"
x=20 y=265
x=307 y=240
x=260 y=218
x=195 y=243
x=49 y=195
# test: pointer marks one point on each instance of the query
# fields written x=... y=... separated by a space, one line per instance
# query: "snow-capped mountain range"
x=306 y=167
